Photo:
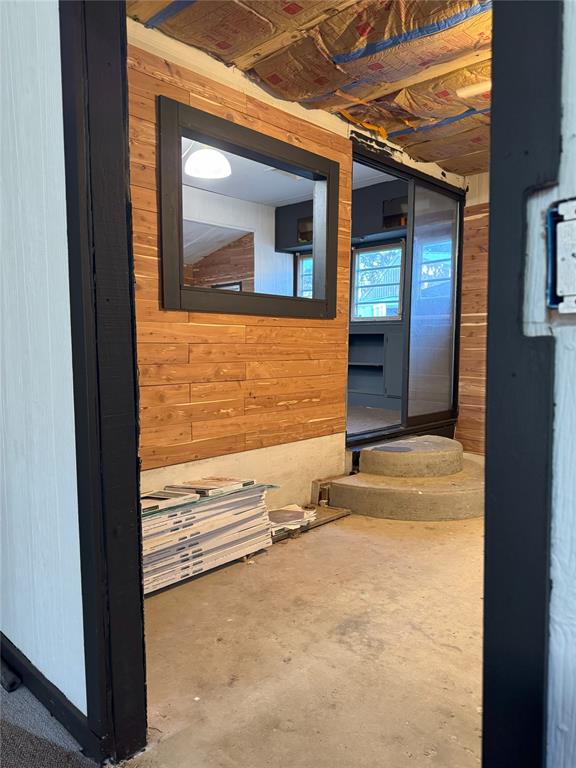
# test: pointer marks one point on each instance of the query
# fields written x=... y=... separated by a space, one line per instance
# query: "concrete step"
x=443 y=497
x=427 y=456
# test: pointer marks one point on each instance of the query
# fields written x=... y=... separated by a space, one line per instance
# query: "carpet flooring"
x=31 y=738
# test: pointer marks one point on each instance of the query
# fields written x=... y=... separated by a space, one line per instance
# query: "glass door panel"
x=433 y=305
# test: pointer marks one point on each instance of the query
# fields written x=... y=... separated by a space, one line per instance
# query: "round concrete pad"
x=448 y=497
x=427 y=456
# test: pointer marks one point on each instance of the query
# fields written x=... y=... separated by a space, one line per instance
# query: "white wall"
x=41 y=609
x=273 y=272
x=540 y=321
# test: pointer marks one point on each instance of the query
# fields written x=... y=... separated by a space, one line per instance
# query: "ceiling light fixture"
x=207 y=163
x=477 y=89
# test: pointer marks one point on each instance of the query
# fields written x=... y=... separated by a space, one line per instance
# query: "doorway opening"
x=243 y=658
x=111 y=585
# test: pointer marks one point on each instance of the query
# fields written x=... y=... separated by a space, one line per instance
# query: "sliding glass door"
x=402 y=366
x=431 y=368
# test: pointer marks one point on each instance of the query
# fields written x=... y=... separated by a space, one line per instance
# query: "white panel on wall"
x=41 y=610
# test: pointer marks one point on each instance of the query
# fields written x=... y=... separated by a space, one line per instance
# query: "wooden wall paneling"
x=472 y=379
x=282 y=387
x=264 y=352
x=293 y=401
x=168 y=434
x=264 y=422
x=191 y=333
x=186 y=413
x=272 y=369
x=215 y=384
x=183 y=373
x=164 y=395
x=163 y=455
x=166 y=353
x=230 y=264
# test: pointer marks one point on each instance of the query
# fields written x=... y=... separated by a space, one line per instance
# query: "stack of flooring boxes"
x=189 y=529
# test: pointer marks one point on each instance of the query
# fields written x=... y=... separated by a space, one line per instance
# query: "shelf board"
x=367 y=365
x=373 y=239
x=372 y=327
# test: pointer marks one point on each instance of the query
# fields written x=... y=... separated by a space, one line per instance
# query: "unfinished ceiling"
x=415 y=72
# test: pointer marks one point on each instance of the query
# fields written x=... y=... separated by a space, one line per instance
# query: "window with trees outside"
x=436 y=270
x=304 y=276
x=377 y=282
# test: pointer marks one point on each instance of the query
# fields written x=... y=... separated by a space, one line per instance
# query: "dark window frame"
x=388 y=245
x=177 y=120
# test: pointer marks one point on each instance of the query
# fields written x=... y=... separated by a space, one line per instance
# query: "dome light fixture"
x=207 y=163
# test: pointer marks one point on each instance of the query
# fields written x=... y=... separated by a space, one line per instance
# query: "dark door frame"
x=93 y=52
x=526 y=134
x=525 y=156
x=95 y=98
x=377 y=155
x=95 y=103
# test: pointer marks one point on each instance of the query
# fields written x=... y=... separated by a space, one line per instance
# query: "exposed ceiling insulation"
x=416 y=72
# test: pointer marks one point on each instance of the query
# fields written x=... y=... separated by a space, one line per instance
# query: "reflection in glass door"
x=433 y=305
x=377 y=282
x=402 y=367
x=380 y=205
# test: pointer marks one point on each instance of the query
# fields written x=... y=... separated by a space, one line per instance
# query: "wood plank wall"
x=233 y=263
x=471 y=420
x=216 y=384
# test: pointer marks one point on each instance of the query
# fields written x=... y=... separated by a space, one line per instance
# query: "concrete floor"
x=355 y=646
x=361 y=418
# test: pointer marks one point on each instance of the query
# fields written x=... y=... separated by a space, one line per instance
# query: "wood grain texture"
x=232 y=263
x=472 y=379
x=212 y=384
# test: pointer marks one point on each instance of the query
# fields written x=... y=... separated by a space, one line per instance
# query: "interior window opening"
x=244 y=218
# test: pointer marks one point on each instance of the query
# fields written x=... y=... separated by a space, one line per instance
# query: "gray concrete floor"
x=361 y=418
x=355 y=646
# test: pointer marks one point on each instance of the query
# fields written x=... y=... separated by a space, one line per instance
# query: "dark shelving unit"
x=375 y=364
